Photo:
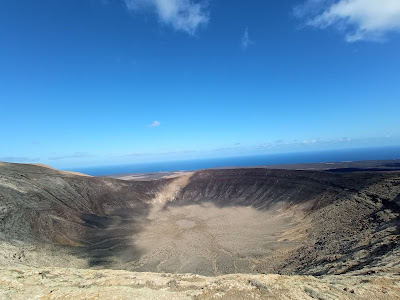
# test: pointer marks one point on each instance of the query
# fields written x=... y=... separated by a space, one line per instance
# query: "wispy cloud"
x=137 y=154
x=160 y=153
x=246 y=41
x=74 y=155
x=267 y=147
x=182 y=15
x=19 y=159
x=358 y=20
x=282 y=145
x=155 y=124
x=307 y=142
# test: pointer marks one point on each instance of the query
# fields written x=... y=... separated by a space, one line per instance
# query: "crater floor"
x=209 y=240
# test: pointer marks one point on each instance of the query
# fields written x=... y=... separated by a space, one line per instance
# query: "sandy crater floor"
x=208 y=240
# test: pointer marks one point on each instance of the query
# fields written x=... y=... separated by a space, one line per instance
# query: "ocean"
x=255 y=160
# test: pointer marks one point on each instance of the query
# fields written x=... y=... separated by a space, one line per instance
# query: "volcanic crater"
x=210 y=222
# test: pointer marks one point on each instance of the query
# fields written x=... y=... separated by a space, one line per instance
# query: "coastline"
x=344 y=166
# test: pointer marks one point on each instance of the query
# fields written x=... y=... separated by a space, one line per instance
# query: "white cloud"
x=22 y=159
x=182 y=15
x=357 y=19
x=307 y=142
x=246 y=41
x=73 y=155
x=155 y=124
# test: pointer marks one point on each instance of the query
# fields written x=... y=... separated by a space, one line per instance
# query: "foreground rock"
x=58 y=283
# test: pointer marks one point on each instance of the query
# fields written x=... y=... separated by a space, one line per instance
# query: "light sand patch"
x=186 y=224
x=76 y=173
x=209 y=240
x=150 y=176
x=177 y=174
x=171 y=190
x=132 y=177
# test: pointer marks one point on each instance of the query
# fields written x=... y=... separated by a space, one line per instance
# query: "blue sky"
x=88 y=82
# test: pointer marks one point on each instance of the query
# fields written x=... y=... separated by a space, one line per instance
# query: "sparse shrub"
x=173 y=283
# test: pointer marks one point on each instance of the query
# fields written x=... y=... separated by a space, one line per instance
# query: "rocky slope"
x=56 y=283
x=346 y=222
x=48 y=217
x=212 y=222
